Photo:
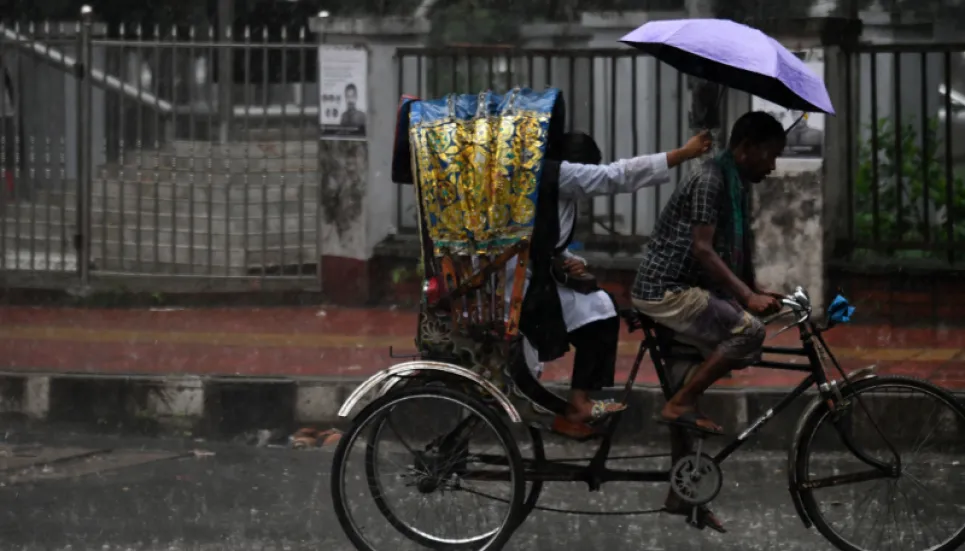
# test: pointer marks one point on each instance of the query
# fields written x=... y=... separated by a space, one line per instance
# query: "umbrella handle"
x=799 y=119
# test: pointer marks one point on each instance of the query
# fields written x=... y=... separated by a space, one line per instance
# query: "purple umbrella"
x=736 y=56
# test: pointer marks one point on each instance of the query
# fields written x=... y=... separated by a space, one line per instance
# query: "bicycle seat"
x=636 y=320
x=666 y=338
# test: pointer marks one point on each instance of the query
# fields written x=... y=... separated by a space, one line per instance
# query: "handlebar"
x=798 y=304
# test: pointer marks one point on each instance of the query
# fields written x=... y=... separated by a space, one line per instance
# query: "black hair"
x=580 y=147
x=351 y=87
x=756 y=128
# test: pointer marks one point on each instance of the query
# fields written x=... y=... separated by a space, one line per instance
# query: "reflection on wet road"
x=102 y=493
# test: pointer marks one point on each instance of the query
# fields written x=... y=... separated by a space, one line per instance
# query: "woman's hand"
x=698 y=145
x=695 y=147
x=574 y=267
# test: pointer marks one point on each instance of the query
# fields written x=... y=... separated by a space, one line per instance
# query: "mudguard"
x=390 y=377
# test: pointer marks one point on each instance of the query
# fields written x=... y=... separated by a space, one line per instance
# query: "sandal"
x=689 y=421
x=703 y=519
x=603 y=409
x=584 y=430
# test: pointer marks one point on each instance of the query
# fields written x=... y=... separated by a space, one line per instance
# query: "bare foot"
x=705 y=518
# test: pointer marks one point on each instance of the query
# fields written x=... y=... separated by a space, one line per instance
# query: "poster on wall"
x=806 y=139
x=343 y=91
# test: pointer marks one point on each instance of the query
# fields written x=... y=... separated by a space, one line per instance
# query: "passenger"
x=697 y=276
x=590 y=317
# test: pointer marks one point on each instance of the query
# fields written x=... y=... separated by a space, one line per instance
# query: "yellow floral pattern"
x=479 y=176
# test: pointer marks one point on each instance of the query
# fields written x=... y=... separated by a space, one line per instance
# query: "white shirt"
x=578 y=181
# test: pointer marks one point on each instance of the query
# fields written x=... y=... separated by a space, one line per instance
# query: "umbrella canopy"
x=736 y=56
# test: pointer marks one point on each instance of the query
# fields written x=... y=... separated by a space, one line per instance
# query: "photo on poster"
x=343 y=87
x=806 y=139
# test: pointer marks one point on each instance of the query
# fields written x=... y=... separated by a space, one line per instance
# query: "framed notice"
x=805 y=139
x=343 y=91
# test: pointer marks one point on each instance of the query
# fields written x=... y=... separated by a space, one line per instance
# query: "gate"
x=906 y=146
x=126 y=160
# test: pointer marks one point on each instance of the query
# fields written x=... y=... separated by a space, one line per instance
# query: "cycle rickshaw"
x=476 y=249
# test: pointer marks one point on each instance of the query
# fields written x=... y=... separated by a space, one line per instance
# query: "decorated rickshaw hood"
x=478 y=160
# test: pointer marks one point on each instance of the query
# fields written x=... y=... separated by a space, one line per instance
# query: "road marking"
x=301 y=340
x=124 y=336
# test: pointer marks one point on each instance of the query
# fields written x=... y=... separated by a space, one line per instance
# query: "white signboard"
x=806 y=139
x=343 y=91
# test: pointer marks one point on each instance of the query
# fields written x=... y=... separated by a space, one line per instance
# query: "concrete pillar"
x=801 y=210
x=358 y=198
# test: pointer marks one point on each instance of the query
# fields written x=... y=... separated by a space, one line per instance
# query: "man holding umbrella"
x=697 y=276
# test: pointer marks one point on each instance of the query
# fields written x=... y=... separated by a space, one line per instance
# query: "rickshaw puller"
x=697 y=276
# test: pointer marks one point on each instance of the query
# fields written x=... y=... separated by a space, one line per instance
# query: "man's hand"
x=698 y=145
x=763 y=305
x=574 y=267
x=778 y=296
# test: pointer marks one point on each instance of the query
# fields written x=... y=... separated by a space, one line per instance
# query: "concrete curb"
x=229 y=406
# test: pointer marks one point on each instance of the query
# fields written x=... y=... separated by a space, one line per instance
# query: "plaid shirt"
x=669 y=263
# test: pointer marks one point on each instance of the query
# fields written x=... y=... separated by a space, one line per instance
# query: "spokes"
x=429 y=462
x=901 y=486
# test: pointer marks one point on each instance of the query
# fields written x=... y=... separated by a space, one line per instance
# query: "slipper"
x=705 y=518
x=688 y=421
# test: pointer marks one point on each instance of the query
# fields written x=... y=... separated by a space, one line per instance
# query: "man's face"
x=351 y=97
x=757 y=161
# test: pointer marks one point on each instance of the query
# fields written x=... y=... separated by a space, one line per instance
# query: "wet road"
x=104 y=493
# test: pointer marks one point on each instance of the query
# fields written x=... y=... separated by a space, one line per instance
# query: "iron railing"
x=120 y=160
x=630 y=103
x=907 y=154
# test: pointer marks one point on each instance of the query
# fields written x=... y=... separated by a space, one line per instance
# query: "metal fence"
x=158 y=155
x=628 y=102
x=907 y=153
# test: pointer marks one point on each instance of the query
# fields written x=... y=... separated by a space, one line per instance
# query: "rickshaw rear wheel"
x=372 y=419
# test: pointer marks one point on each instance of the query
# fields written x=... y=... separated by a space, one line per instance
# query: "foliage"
x=919 y=214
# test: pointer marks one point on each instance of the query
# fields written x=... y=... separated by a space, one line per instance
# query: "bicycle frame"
x=597 y=473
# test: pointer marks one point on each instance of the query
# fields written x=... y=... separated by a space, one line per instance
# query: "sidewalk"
x=354 y=343
x=230 y=370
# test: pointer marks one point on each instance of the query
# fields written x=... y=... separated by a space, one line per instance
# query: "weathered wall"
x=788 y=230
x=344 y=184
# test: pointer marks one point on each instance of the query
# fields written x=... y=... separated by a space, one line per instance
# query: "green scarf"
x=733 y=251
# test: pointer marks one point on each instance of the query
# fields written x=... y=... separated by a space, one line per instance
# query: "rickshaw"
x=481 y=167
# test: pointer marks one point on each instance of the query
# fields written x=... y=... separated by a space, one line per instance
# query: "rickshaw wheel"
x=372 y=421
x=534 y=488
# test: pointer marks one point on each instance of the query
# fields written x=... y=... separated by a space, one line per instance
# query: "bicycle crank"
x=696 y=479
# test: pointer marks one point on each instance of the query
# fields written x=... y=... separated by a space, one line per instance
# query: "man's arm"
x=711 y=262
x=704 y=211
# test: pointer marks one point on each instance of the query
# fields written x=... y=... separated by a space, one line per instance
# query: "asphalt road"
x=78 y=492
